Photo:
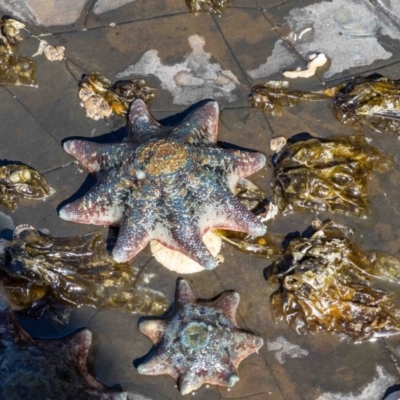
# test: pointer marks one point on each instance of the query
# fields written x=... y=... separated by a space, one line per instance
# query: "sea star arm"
x=191 y=381
x=236 y=164
x=228 y=304
x=100 y=206
x=56 y=368
x=153 y=328
x=200 y=126
x=76 y=349
x=224 y=211
x=183 y=293
x=96 y=156
x=141 y=123
x=184 y=235
x=158 y=363
x=188 y=240
x=132 y=238
x=246 y=163
x=243 y=344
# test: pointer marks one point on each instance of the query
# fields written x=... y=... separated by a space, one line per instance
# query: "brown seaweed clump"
x=41 y=274
x=14 y=70
x=372 y=101
x=212 y=6
x=368 y=101
x=100 y=97
x=273 y=96
x=326 y=175
x=255 y=200
x=265 y=246
x=18 y=181
x=325 y=286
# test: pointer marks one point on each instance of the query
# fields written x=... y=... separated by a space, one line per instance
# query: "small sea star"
x=45 y=369
x=198 y=342
x=169 y=184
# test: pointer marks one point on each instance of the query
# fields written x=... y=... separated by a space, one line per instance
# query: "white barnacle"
x=140 y=174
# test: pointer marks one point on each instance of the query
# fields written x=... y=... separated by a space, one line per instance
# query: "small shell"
x=316 y=61
x=85 y=94
x=317 y=224
x=22 y=175
x=96 y=107
x=20 y=228
x=9 y=22
x=178 y=262
x=54 y=53
x=278 y=143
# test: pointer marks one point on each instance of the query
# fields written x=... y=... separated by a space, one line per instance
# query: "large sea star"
x=45 y=369
x=169 y=184
x=199 y=342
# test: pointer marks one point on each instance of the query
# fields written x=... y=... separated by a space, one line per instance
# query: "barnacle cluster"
x=325 y=286
x=326 y=175
x=43 y=274
x=212 y=6
x=18 y=181
x=14 y=69
x=100 y=97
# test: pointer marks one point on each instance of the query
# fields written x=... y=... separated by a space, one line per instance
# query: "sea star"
x=198 y=342
x=169 y=184
x=51 y=369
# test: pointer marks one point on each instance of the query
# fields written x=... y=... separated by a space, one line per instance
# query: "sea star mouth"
x=195 y=335
x=165 y=184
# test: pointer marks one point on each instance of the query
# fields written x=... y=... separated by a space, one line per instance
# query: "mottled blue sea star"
x=169 y=184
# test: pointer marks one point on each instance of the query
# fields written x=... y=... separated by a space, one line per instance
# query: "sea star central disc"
x=162 y=158
x=168 y=184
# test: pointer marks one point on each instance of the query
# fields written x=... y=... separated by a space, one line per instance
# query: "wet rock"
x=337 y=29
x=191 y=80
